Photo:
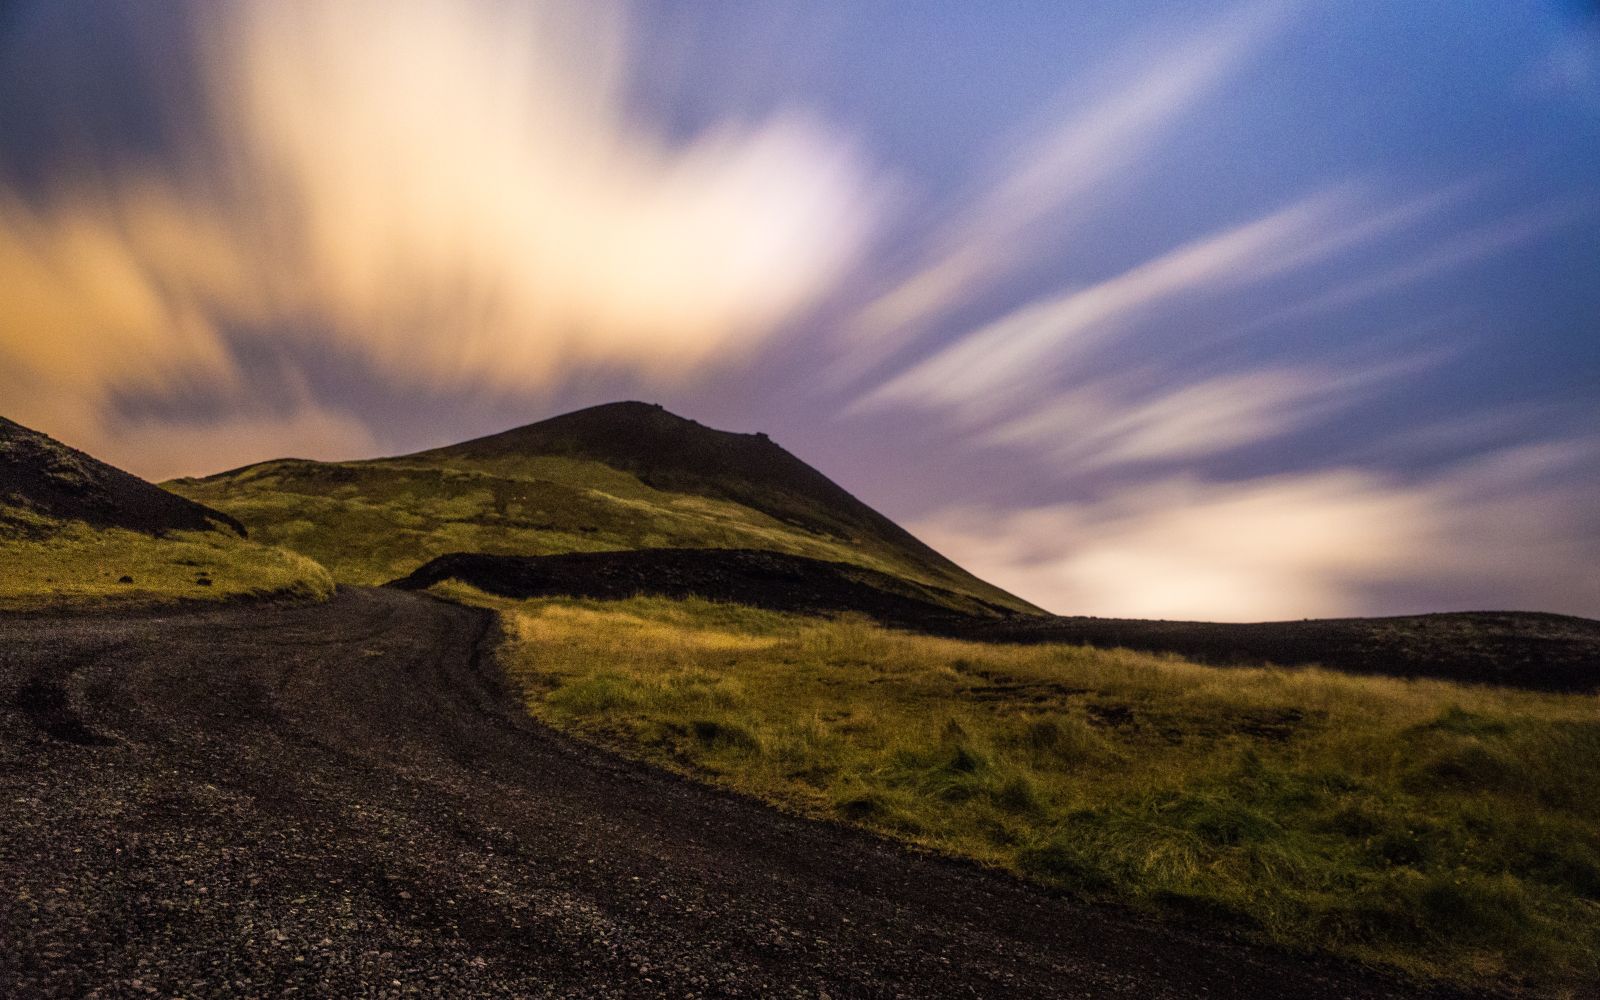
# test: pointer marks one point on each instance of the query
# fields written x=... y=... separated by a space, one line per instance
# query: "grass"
x=1442 y=830
x=51 y=564
x=372 y=522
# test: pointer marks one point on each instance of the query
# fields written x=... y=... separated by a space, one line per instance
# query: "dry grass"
x=1444 y=830
x=55 y=565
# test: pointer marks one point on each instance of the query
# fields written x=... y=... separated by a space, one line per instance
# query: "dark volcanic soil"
x=1513 y=648
x=343 y=800
x=755 y=577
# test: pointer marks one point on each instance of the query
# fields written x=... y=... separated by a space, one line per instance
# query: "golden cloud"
x=455 y=192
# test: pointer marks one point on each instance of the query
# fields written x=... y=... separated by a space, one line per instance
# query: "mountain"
x=621 y=476
x=43 y=480
x=76 y=531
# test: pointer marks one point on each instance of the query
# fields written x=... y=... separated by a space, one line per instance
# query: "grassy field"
x=372 y=522
x=1440 y=829
x=49 y=565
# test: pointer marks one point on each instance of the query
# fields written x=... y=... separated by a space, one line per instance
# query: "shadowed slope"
x=749 y=577
x=1514 y=648
x=42 y=477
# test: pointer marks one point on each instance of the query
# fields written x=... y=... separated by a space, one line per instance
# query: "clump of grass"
x=54 y=564
x=1440 y=829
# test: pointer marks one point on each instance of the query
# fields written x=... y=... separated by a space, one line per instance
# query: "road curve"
x=345 y=800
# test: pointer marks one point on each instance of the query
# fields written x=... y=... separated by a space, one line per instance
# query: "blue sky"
x=1228 y=311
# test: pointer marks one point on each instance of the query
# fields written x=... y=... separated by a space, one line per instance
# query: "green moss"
x=53 y=564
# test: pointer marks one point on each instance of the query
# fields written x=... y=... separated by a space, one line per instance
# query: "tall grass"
x=1443 y=830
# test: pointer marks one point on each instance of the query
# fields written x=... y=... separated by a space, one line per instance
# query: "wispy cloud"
x=1096 y=425
x=162 y=450
x=1022 y=351
x=1162 y=416
x=1457 y=251
x=1056 y=168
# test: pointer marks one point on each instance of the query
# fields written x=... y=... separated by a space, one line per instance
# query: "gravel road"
x=345 y=800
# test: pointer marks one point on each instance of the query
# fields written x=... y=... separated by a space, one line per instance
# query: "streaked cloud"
x=1021 y=351
x=1050 y=172
x=1457 y=251
x=1163 y=416
x=1098 y=426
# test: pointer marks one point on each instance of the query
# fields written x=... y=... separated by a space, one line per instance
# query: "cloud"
x=160 y=450
x=1460 y=250
x=164 y=446
x=1058 y=167
x=1074 y=384
x=1097 y=425
x=1021 y=351
x=455 y=193
x=1160 y=415
x=1495 y=533
x=474 y=199
x=1571 y=66
x=112 y=285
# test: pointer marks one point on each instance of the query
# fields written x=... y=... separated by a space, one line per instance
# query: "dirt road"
x=344 y=800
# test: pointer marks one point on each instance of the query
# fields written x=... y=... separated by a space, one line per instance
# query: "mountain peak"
x=616 y=420
x=663 y=449
x=676 y=454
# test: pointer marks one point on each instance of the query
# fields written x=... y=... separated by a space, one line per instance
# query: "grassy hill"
x=1447 y=830
x=608 y=478
x=74 y=531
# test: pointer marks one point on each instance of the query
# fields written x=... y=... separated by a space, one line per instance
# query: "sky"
x=1242 y=311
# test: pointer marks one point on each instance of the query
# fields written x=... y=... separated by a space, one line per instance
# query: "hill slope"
x=42 y=478
x=74 y=530
x=608 y=478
